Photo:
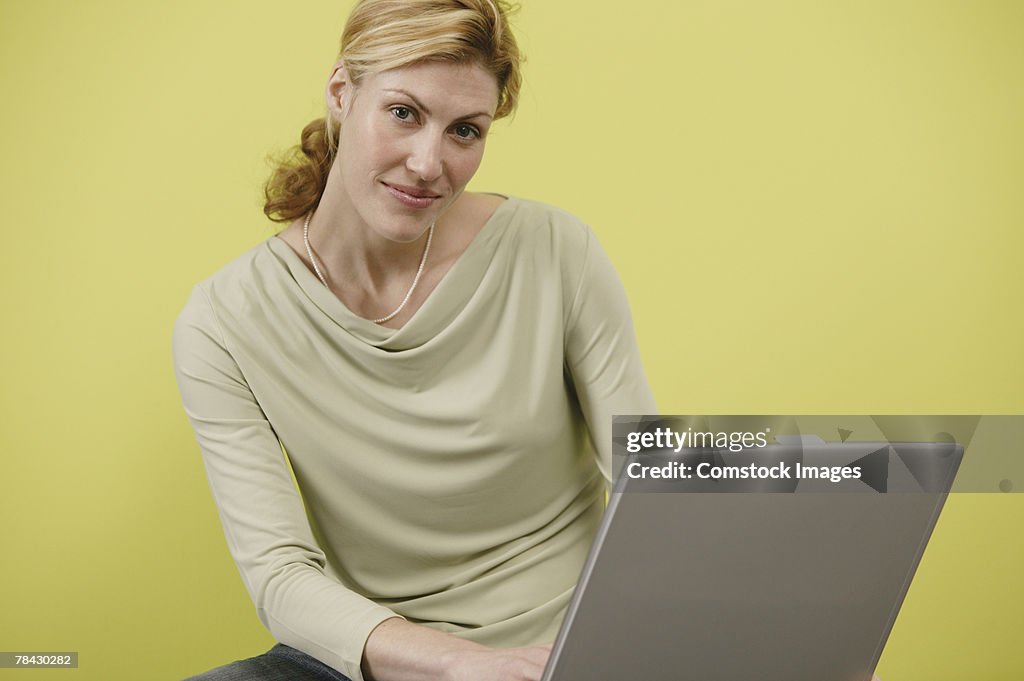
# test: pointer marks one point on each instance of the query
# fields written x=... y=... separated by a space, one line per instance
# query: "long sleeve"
x=601 y=351
x=262 y=513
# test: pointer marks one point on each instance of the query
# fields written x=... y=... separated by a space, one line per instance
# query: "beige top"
x=447 y=467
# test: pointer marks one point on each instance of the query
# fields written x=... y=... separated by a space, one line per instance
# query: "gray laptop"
x=770 y=579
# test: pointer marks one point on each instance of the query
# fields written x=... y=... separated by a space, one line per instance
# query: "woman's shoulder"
x=548 y=244
x=252 y=271
x=239 y=283
x=541 y=213
x=534 y=220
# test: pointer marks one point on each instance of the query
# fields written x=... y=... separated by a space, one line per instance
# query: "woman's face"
x=410 y=140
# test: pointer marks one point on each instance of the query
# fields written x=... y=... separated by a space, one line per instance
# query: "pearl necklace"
x=416 y=279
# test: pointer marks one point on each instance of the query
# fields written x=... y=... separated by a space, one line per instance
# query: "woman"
x=441 y=368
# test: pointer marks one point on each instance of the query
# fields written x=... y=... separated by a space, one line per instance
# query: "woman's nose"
x=425 y=156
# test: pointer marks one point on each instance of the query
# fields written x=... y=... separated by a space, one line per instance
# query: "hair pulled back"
x=388 y=34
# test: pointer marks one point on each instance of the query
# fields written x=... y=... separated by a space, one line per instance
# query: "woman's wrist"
x=398 y=650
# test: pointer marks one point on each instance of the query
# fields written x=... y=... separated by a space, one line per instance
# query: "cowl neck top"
x=450 y=472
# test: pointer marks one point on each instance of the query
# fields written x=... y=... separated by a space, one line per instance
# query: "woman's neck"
x=370 y=274
x=353 y=251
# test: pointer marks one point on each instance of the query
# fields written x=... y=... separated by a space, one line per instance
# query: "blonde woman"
x=439 y=368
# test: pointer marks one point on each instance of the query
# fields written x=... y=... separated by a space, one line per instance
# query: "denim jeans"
x=280 y=663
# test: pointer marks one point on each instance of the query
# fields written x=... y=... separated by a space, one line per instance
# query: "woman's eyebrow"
x=422 y=107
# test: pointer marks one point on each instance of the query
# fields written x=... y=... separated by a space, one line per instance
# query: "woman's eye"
x=402 y=113
x=467 y=132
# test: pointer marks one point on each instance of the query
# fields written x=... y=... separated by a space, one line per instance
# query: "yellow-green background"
x=815 y=206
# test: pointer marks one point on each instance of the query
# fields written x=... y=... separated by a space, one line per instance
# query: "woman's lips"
x=411 y=196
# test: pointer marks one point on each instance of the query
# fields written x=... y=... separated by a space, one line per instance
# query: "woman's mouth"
x=412 y=197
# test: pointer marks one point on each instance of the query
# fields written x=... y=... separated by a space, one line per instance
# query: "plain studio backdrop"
x=815 y=208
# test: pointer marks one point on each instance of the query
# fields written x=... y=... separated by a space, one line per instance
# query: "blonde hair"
x=387 y=34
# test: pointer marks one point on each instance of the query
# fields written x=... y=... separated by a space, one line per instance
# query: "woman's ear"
x=339 y=91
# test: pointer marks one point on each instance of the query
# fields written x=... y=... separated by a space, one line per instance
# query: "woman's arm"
x=601 y=351
x=263 y=516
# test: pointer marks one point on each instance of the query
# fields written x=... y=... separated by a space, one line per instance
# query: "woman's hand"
x=398 y=650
